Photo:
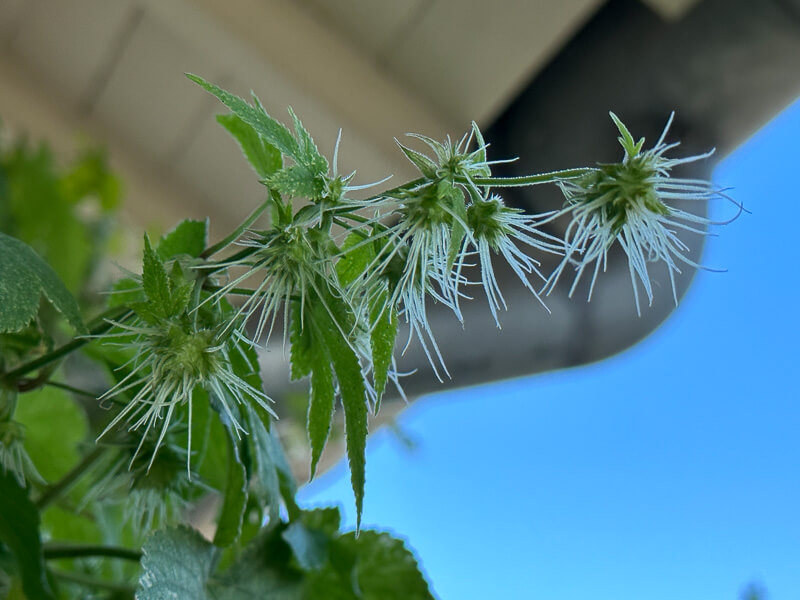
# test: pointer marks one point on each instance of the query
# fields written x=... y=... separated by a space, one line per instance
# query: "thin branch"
x=55 y=491
x=102 y=325
x=57 y=550
x=69 y=388
x=92 y=582
x=232 y=237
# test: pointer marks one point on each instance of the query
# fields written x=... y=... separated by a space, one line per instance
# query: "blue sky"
x=671 y=471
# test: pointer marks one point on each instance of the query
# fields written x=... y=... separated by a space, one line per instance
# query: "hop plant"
x=632 y=202
x=339 y=275
x=174 y=353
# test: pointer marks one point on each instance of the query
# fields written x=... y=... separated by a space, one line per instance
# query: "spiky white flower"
x=170 y=361
x=292 y=263
x=632 y=202
x=417 y=259
x=497 y=229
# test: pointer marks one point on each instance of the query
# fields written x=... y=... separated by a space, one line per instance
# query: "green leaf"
x=357 y=256
x=176 y=563
x=308 y=536
x=59 y=524
x=90 y=176
x=54 y=427
x=208 y=439
x=309 y=546
x=262 y=571
x=229 y=525
x=19 y=531
x=385 y=569
x=188 y=237
x=24 y=278
x=320 y=406
x=155 y=281
x=454 y=197
x=352 y=391
x=271 y=130
x=309 y=154
x=262 y=156
x=383 y=318
x=180 y=289
x=297 y=181
x=42 y=216
x=327 y=520
x=626 y=140
x=479 y=156
x=301 y=343
x=268 y=487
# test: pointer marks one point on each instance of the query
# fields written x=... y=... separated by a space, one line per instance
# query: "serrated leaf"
x=297 y=181
x=327 y=519
x=268 y=487
x=262 y=156
x=24 y=278
x=19 y=532
x=271 y=130
x=229 y=525
x=155 y=281
x=54 y=427
x=383 y=318
x=180 y=290
x=385 y=569
x=320 y=406
x=176 y=564
x=301 y=342
x=352 y=392
x=357 y=255
x=188 y=237
x=309 y=154
x=285 y=475
x=144 y=310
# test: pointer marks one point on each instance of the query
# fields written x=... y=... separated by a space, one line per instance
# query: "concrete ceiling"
x=111 y=70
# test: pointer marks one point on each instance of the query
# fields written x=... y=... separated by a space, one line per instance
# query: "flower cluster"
x=632 y=202
x=341 y=273
x=169 y=363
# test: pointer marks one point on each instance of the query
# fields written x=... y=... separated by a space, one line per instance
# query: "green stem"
x=234 y=235
x=551 y=177
x=117 y=313
x=398 y=189
x=92 y=582
x=69 y=388
x=244 y=253
x=61 y=487
x=56 y=550
x=238 y=291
